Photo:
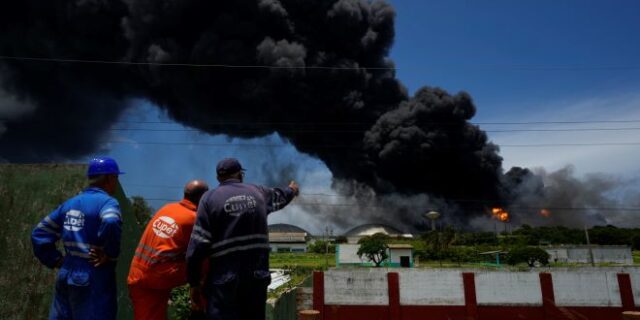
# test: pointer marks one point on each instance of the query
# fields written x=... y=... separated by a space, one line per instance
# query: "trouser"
x=149 y=304
x=84 y=295
x=237 y=295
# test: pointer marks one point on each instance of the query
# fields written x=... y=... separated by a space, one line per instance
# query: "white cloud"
x=602 y=158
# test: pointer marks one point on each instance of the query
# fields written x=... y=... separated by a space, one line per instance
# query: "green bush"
x=180 y=305
x=320 y=246
x=528 y=255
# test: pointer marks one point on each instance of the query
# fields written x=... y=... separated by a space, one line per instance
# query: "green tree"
x=141 y=211
x=320 y=246
x=341 y=239
x=374 y=248
x=528 y=255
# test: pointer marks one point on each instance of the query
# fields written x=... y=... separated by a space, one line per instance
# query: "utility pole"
x=586 y=232
x=328 y=233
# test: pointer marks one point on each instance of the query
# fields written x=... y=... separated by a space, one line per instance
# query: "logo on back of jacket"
x=74 y=220
x=165 y=227
x=237 y=205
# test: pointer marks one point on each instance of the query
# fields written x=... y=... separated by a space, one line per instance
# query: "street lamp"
x=433 y=216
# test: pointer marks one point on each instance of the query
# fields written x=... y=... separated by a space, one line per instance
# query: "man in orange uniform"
x=159 y=263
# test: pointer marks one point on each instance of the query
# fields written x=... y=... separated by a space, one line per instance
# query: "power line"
x=544 y=145
x=368 y=123
x=360 y=131
x=210 y=65
x=271 y=145
x=178 y=187
x=630 y=209
x=351 y=123
x=189 y=65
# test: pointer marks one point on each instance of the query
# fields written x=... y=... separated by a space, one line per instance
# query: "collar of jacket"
x=229 y=181
x=188 y=204
x=95 y=189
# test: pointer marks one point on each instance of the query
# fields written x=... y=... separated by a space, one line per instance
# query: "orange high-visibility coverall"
x=159 y=262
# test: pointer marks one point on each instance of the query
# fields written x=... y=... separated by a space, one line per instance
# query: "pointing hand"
x=294 y=186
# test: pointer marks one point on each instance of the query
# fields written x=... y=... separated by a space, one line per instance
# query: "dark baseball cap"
x=228 y=166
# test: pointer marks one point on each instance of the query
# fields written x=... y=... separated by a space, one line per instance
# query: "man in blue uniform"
x=231 y=234
x=89 y=225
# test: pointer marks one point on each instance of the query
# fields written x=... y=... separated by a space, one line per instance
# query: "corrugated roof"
x=283 y=227
x=370 y=229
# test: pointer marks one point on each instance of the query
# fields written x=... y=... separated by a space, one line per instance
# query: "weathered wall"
x=440 y=287
x=348 y=254
x=508 y=288
x=601 y=254
x=382 y=293
x=357 y=287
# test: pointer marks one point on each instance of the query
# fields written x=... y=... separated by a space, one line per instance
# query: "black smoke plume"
x=317 y=72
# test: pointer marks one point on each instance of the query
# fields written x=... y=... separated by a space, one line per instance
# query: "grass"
x=300 y=267
x=27 y=194
x=636 y=256
x=315 y=261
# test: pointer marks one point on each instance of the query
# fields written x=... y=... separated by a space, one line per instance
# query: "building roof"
x=288 y=237
x=285 y=228
x=399 y=246
x=370 y=229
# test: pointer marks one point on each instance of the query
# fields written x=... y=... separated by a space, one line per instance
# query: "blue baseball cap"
x=228 y=166
x=103 y=165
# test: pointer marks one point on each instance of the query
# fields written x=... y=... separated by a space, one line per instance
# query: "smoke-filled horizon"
x=318 y=73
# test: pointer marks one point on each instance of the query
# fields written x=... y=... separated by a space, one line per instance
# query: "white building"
x=287 y=238
x=400 y=255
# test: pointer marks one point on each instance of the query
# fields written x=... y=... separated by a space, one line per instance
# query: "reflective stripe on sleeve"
x=202 y=232
x=145 y=257
x=110 y=215
x=240 y=243
x=198 y=238
x=46 y=229
x=157 y=252
x=241 y=248
x=52 y=223
x=241 y=238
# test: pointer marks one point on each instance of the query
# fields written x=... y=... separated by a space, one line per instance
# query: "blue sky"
x=521 y=61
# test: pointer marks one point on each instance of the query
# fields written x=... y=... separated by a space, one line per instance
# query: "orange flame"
x=500 y=214
x=545 y=213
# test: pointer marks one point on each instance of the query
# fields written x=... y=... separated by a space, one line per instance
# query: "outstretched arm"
x=278 y=198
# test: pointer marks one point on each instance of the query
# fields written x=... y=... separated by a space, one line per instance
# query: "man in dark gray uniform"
x=231 y=234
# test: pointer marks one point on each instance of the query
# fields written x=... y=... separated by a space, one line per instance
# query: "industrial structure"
x=287 y=238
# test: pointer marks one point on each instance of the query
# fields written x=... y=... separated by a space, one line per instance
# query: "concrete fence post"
x=626 y=292
x=470 y=300
x=309 y=315
x=631 y=315
x=318 y=294
x=393 y=284
x=548 y=297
